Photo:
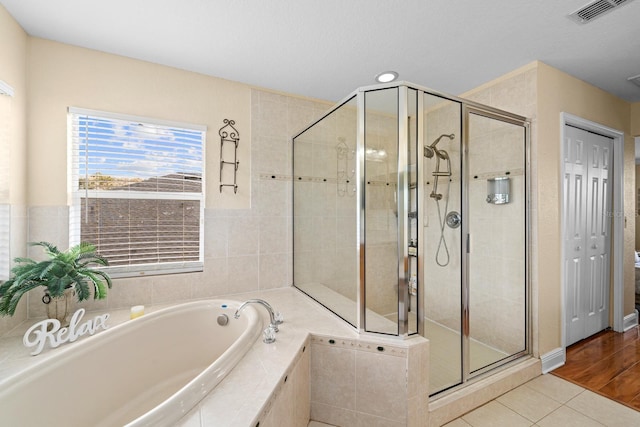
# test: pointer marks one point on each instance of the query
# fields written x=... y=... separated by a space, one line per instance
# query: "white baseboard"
x=630 y=321
x=553 y=359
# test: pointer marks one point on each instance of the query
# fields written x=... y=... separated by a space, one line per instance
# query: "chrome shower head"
x=429 y=152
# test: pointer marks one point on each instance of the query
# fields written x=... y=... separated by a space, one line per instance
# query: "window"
x=5 y=208
x=137 y=191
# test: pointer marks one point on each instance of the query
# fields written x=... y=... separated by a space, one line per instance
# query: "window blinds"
x=137 y=191
x=5 y=208
x=5 y=233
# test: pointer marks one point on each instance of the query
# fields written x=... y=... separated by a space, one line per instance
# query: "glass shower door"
x=474 y=240
x=380 y=213
x=441 y=256
x=496 y=226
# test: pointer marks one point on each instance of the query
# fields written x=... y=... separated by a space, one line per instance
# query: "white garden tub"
x=148 y=371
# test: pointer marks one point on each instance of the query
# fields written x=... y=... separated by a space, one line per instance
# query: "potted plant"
x=63 y=274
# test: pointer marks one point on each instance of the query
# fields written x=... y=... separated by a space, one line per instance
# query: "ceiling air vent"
x=596 y=9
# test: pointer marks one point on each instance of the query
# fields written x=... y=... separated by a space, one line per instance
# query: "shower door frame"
x=403 y=206
x=469 y=108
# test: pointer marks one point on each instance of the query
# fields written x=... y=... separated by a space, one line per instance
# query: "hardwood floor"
x=607 y=363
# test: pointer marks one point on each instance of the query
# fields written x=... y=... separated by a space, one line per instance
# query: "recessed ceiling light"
x=386 y=76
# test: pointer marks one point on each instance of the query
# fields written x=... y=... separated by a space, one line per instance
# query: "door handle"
x=578 y=248
x=594 y=246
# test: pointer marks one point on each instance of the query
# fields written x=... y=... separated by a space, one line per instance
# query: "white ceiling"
x=325 y=49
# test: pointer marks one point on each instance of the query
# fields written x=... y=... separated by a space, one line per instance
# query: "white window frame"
x=6 y=104
x=76 y=194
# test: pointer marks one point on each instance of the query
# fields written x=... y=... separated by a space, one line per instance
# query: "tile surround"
x=359 y=382
x=241 y=245
x=256 y=389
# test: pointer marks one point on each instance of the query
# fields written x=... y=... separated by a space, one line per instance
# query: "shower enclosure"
x=410 y=217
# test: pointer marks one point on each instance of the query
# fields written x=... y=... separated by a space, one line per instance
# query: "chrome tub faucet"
x=275 y=318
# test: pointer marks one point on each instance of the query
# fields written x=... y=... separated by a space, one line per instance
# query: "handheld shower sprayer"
x=429 y=152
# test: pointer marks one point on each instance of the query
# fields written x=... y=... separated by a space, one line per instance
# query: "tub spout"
x=275 y=318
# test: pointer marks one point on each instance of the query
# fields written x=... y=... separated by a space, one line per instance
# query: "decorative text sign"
x=39 y=333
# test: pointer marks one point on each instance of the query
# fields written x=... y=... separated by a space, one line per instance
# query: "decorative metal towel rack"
x=229 y=134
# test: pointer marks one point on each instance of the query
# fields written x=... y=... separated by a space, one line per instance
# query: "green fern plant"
x=73 y=267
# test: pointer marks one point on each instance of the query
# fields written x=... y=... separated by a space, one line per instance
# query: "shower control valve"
x=454 y=219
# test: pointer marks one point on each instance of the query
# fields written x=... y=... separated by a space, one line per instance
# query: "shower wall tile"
x=216 y=236
x=382 y=278
x=303 y=237
x=303 y=151
x=497 y=258
x=275 y=271
x=272 y=117
x=50 y=224
x=273 y=161
x=244 y=273
x=244 y=236
x=273 y=198
x=17 y=248
x=272 y=231
x=216 y=280
x=130 y=292
x=172 y=288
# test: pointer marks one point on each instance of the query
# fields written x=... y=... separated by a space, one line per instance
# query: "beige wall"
x=635 y=119
x=13 y=71
x=559 y=92
x=542 y=100
x=247 y=236
x=13 y=67
x=62 y=76
x=244 y=249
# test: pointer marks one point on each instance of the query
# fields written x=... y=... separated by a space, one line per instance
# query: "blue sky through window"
x=124 y=149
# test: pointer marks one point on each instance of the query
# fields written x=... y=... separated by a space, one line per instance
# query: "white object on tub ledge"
x=37 y=335
x=149 y=372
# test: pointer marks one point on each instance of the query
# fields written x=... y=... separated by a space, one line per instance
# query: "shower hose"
x=442 y=243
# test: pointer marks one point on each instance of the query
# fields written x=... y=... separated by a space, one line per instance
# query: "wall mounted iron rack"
x=229 y=135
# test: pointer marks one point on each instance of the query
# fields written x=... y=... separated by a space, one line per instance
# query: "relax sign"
x=50 y=330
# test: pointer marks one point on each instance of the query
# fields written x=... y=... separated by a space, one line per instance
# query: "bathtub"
x=148 y=371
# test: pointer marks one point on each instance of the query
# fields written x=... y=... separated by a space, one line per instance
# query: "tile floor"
x=547 y=401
